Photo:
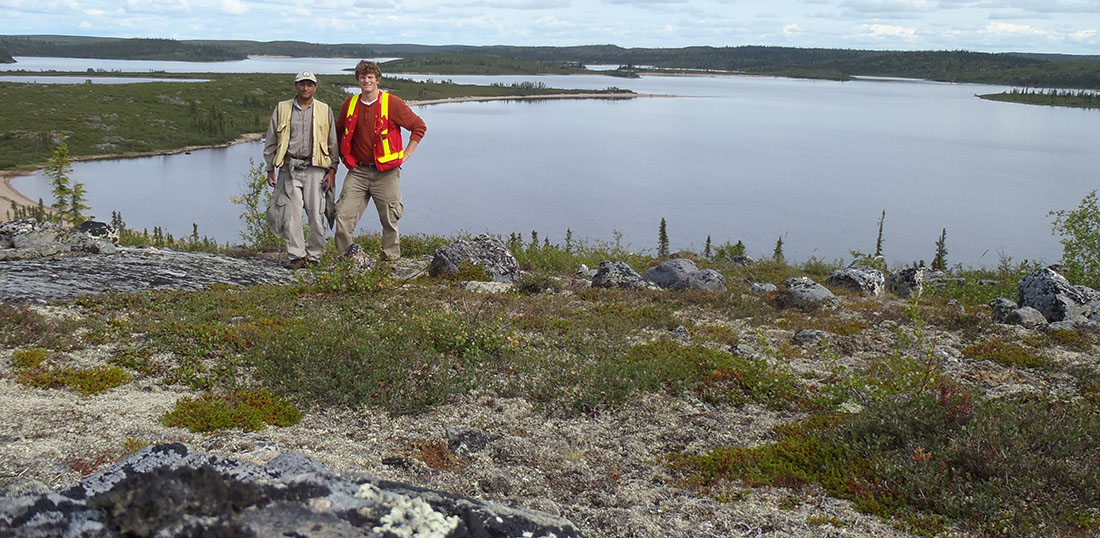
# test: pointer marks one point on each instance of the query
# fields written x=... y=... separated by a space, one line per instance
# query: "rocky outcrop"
x=166 y=490
x=805 y=294
x=131 y=269
x=1026 y=317
x=487 y=252
x=1001 y=308
x=1051 y=294
x=862 y=279
x=617 y=275
x=907 y=283
x=682 y=273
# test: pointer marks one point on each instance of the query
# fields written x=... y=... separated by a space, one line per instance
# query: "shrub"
x=1080 y=231
x=249 y=410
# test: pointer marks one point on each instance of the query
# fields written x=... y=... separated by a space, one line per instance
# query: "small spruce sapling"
x=662 y=240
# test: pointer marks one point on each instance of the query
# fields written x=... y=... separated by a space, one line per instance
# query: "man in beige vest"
x=301 y=143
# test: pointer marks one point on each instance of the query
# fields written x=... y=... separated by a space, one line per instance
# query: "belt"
x=366 y=164
x=306 y=158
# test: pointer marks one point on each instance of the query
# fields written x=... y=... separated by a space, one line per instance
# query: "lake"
x=736 y=158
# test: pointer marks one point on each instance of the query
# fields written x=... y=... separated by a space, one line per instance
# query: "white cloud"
x=234 y=7
x=1007 y=29
x=889 y=31
x=889 y=6
x=159 y=6
x=791 y=30
x=1083 y=35
x=85 y=25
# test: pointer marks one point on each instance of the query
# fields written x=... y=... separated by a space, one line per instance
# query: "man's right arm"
x=271 y=143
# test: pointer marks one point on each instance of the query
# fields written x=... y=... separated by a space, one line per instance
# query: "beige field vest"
x=321 y=128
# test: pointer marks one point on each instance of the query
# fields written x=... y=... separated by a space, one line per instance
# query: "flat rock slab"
x=167 y=490
x=131 y=269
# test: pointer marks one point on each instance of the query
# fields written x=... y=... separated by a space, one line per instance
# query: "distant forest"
x=1011 y=69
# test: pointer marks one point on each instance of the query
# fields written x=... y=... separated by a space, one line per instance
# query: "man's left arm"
x=408 y=119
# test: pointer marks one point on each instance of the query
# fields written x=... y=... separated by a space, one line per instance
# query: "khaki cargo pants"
x=363 y=184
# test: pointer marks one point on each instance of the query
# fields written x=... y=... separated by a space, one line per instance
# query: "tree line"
x=1010 y=69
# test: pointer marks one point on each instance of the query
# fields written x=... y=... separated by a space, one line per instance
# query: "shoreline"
x=9 y=194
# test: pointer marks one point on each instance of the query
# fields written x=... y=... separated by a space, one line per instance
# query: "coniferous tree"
x=58 y=168
x=662 y=240
x=76 y=204
x=777 y=254
x=878 y=242
x=706 y=249
x=939 y=262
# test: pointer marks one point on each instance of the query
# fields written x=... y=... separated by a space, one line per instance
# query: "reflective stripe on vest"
x=388 y=153
x=388 y=148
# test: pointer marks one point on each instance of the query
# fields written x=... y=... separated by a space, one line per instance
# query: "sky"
x=1054 y=26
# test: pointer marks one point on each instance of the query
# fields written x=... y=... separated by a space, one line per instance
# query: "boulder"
x=487 y=252
x=805 y=294
x=356 y=256
x=167 y=490
x=1051 y=294
x=863 y=279
x=741 y=260
x=682 y=273
x=1001 y=308
x=762 y=288
x=671 y=273
x=907 y=283
x=96 y=230
x=810 y=336
x=617 y=275
x=706 y=280
x=1026 y=317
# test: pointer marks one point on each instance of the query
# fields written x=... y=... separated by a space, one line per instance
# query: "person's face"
x=306 y=89
x=368 y=82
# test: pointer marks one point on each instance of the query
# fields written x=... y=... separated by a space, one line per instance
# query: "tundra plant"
x=254 y=202
x=1080 y=231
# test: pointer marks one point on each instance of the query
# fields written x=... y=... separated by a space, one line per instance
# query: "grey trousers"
x=305 y=193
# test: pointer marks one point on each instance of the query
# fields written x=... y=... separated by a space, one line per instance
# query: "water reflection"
x=748 y=159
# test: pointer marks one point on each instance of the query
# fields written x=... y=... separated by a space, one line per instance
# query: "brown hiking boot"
x=296 y=263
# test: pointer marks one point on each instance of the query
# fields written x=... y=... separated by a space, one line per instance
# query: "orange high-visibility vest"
x=389 y=151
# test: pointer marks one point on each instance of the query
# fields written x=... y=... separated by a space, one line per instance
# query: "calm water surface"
x=735 y=158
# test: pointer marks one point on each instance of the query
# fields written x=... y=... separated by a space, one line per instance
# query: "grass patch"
x=250 y=411
x=1006 y=353
x=1014 y=467
x=86 y=381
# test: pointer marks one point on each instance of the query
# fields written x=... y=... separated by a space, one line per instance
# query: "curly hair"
x=364 y=68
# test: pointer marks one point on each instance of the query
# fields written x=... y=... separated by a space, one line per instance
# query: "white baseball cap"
x=305 y=75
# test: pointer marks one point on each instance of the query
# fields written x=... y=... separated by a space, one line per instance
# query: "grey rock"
x=1080 y=325
x=96 y=230
x=907 y=283
x=1001 y=308
x=706 y=280
x=357 y=257
x=1026 y=317
x=805 y=294
x=989 y=282
x=741 y=260
x=680 y=333
x=863 y=279
x=585 y=272
x=11 y=229
x=617 y=275
x=36 y=238
x=131 y=269
x=743 y=350
x=1051 y=294
x=810 y=336
x=761 y=289
x=166 y=490
x=671 y=273
x=488 y=252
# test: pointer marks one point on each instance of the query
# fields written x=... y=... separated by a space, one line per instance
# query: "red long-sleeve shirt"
x=362 y=140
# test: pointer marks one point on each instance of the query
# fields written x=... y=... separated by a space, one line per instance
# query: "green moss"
x=86 y=381
x=1007 y=353
x=248 y=410
x=29 y=357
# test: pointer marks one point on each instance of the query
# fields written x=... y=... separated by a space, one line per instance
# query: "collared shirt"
x=301 y=135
